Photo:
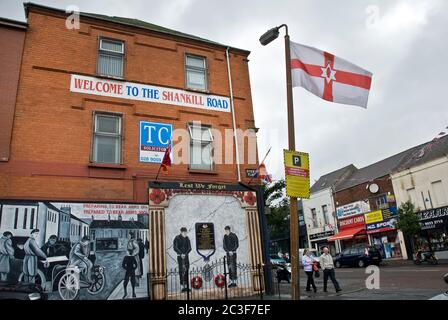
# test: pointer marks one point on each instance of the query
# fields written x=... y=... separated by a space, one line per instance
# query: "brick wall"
x=52 y=135
x=12 y=39
x=361 y=192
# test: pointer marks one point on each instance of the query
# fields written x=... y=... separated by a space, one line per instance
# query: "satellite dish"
x=373 y=188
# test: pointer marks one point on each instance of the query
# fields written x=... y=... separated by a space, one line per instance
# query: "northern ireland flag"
x=329 y=77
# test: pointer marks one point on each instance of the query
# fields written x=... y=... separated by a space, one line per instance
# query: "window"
x=25 y=216
x=439 y=193
x=196 y=72
x=110 y=58
x=325 y=214
x=314 y=217
x=107 y=139
x=201 y=147
x=381 y=202
x=412 y=196
x=16 y=218
x=32 y=219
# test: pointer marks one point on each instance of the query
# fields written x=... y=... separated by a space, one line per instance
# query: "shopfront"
x=381 y=228
x=352 y=232
x=321 y=239
x=434 y=231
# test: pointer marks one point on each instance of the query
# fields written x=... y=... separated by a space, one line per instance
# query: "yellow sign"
x=374 y=216
x=297 y=174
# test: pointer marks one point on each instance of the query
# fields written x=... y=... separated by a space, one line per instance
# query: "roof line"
x=181 y=35
x=13 y=23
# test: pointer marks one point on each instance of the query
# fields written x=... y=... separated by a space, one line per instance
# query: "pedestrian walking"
x=308 y=261
x=326 y=263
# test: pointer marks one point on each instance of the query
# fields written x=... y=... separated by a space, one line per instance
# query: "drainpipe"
x=232 y=107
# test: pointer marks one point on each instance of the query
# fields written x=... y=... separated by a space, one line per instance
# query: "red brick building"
x=98 y=104
x=12 y=36
x=366 y=208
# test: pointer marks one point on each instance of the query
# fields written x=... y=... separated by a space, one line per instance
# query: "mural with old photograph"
x=206 y=237
x=75 y=250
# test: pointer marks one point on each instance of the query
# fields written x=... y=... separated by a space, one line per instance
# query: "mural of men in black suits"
x=230 y=245
x=182 y=246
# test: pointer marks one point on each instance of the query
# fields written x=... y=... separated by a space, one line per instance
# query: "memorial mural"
x=75 y=250
x=203 y=232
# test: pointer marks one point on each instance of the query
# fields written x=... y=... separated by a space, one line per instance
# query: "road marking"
x=411 y=270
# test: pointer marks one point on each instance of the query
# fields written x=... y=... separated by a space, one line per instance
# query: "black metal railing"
x=220 y=280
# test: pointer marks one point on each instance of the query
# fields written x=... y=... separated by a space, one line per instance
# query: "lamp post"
x=265 y=39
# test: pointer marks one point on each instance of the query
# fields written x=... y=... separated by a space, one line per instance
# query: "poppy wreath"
x=196 y=282
x=220 y=280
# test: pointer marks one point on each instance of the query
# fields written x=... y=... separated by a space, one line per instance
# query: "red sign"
x=352 y=222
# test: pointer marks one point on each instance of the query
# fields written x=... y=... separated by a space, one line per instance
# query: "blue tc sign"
x=154 y=139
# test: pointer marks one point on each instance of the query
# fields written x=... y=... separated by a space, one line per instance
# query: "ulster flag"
x=329 y=77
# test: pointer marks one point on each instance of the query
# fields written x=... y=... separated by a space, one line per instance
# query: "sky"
x=403 y=43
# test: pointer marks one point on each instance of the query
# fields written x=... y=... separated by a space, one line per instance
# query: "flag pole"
x=266 y=155
x=158 y=172
x=294 y=223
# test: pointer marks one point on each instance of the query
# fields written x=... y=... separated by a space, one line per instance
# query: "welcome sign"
x=148 y=93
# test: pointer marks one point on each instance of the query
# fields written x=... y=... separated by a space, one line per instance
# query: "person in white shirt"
x=307 y=261
x=326 y=263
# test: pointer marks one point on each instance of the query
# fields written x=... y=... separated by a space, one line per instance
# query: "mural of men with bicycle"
x=73 y=250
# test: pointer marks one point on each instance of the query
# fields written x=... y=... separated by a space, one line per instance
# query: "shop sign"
x=148 y=93
x=374 y=216
x=433 y=224
x=389 y=212
x=154 y=139
x=353 y=208
x=297 y=174
x=321 y=235
x=382 y=226
x=352 y=222
x=250 y=173
x=430 y=214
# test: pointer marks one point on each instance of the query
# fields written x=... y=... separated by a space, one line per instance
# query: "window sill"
x=107 y=165
x=197 y=90
x=102 y=76
x=194 y=171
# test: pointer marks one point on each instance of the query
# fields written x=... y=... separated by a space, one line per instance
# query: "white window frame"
x=110 y=52
x=197 y=69
x=119 y=135
x=194 y=141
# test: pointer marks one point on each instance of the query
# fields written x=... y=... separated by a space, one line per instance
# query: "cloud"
x=401 y=42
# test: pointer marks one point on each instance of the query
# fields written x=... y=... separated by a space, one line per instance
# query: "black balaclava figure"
x=182 y=246
x=230 y=245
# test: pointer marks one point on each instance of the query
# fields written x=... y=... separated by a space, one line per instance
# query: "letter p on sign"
x=296 y=161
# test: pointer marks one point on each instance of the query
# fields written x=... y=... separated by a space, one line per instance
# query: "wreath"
x=196 y=282
x=220 y=280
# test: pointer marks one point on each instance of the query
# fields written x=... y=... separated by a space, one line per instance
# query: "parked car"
x=276 y=260
x=21 y=291
x=358 y=256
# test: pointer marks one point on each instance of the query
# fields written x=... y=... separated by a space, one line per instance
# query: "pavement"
x=398 y=280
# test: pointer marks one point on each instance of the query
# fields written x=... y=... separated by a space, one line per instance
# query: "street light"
x=269 y=36
x=265 y=39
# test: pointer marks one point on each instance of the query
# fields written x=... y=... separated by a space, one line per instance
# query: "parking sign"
x=154 y=139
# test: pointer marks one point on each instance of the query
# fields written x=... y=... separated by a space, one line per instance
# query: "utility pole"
x=266 y=38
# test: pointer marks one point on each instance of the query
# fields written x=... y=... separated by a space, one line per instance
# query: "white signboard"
x=148 y=93
x=353 y=208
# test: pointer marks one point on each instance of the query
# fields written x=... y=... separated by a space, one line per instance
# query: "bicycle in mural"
x=56 y=274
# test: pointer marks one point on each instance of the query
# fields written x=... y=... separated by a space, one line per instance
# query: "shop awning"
x=347 y=234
